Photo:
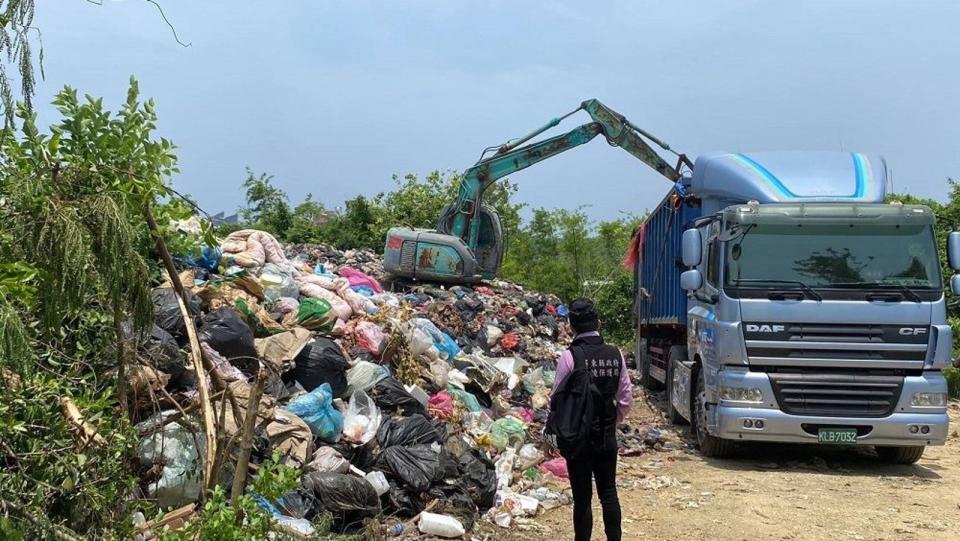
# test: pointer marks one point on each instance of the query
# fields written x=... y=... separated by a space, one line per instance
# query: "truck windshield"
x=833 y=256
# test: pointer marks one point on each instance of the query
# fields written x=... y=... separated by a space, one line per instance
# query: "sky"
x=333 y=98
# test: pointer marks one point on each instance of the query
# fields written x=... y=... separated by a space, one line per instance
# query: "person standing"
x=597 y=459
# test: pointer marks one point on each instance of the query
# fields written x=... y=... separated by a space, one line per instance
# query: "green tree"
x=73 y=229
x=267 y=205
x=306 y=220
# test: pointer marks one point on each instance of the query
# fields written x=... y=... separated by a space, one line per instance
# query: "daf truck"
x=780 y=299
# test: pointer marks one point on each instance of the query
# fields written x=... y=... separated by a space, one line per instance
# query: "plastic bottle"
x=440 y=525
x=395 y=530
x=378 y=481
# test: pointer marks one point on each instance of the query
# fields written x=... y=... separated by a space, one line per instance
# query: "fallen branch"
x=181 y=514
x=196 y=354
x=75 y=418
x=175 y=417
x=246 y=437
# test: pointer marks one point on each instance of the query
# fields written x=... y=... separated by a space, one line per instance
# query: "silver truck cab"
x=814 y=320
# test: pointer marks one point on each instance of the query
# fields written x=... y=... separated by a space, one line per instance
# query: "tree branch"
x=172 y=29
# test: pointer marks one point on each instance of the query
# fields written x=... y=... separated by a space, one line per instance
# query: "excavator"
x=468 y=245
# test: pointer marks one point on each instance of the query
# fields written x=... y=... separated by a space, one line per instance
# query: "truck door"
x=701 y=321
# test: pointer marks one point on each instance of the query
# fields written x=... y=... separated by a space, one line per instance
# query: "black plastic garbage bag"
x=449 y=466
x=225 y=331
x=166 y=312
x=469 y=306
x=402 y=502
x=321 y=361
x=547 y=321
x=417 y=466
x=479 y=478
x=412 y=430
x=536 y=304
x=298 y=503
x=454 y=500
x=342 y=494
x=361 y=456
x=391 y=397
x=157 y=346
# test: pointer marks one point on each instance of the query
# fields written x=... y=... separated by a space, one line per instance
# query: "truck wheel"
x=643 y=366
x=676 y=355
x=710 y=446
x=900 y=455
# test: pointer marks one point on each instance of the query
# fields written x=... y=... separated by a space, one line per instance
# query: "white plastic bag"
x=504 y=468
x=494 y=334
x=363 y=376
x=175 y=448
x=362 y=419
x=528 y=456
x=327 y=460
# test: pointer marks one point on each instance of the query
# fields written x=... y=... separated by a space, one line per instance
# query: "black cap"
x=583 y=317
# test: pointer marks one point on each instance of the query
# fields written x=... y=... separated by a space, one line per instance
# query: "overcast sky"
x=334 y=97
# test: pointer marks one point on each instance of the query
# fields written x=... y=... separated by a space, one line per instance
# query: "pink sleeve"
x=624 y=391
x=564 y=367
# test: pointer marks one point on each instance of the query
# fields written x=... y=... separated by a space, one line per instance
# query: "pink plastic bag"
x=358 y=278
x=370 y=337
x=556 y=466
x=440 y=405
x=524 y=414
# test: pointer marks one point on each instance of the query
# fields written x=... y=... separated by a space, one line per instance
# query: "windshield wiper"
x=807 y=289
x=906 y=291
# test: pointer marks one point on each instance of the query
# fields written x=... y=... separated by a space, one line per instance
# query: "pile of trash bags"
x=410 y=401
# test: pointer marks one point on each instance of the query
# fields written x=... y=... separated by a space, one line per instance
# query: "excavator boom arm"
x=511 y=158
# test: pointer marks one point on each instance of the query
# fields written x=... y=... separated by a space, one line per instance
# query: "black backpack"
x=572 y=410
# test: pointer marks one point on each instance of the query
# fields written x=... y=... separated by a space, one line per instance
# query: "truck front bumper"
x=781 y=427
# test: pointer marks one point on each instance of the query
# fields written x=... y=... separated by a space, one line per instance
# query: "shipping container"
x=660 y=299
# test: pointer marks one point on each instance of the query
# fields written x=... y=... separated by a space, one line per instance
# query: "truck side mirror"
x=953 y=250
x=691 y=247
x=691 y=280
x=955 y=284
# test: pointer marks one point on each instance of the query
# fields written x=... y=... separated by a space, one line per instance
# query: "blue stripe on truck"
x=860 y=168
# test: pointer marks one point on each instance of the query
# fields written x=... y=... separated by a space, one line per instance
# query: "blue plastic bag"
x=446 y=345
x=562 y=310
x=209 y=258
x=316 y=409
x=363 y=290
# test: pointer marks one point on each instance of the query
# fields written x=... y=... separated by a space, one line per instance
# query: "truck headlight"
x=929 y=400
x=741 y=394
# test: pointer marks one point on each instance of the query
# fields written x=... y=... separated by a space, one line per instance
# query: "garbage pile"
x=423 y=404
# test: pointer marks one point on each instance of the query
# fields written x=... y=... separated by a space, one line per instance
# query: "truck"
x=779 y=298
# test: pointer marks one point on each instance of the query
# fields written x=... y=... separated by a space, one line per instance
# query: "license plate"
x=837 y=436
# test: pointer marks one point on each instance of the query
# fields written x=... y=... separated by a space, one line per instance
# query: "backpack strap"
x=578 y=360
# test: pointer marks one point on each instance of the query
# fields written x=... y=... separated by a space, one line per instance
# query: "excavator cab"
x=490 y=243
x=436 y=255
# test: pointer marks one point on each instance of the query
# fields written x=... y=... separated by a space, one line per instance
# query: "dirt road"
x=775 y=492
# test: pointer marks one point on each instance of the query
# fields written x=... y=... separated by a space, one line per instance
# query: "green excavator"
x=467 y=246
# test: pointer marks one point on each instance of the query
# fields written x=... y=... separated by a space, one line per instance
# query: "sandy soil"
x=774 y=492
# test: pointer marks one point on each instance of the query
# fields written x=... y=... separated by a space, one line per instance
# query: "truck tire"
x=677 y=354
x=643 y=367
x=900 y=455
x=710 y=446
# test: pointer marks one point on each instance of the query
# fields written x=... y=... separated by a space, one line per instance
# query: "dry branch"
x=75 y=418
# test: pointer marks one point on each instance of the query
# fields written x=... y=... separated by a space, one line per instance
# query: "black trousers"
x=597 y=463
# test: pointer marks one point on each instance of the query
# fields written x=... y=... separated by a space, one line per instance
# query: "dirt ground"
x=774 y=492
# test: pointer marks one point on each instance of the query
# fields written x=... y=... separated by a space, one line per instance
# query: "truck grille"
x=408 y=254
x=836 y=345
x=836 y=395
